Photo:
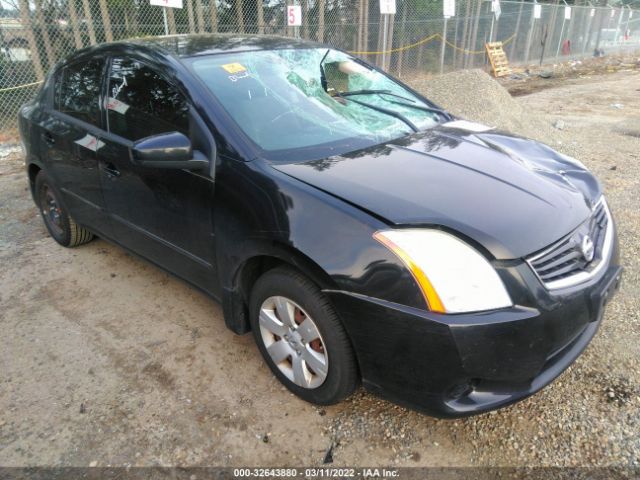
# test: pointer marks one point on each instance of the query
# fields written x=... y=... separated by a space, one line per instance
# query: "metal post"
x=493 y=21
x=164 y=17
x=600 y=13
x=617 y=39
x=560 y=39
x=296 y=30
x=444 y=45
x=455 y=41
x=564 y=20
x=385 y=27
x=532 y=24
x=626 y=28
x=587 y=31
x=512 y=50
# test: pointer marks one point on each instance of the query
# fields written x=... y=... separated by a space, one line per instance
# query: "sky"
x=7 y=5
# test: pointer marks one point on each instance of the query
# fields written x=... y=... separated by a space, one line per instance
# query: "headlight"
x=453 y=276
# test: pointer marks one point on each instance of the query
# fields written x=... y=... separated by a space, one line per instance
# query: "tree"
x=192 y=23
x=106 y=21
x=171 y=21
x=73 y=17
x=25 y=18
x=213 y=11
x=199 y=16
x=305 y=18
x=260 y=11
x=240 y=16
x=359 y=40
x=44 y=30
x=321 y=6
x=89 y=21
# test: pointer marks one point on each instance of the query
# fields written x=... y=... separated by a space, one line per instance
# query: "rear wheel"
x=61 y=226
x=301 y=338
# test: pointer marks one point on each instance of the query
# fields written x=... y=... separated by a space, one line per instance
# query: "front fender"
x=261 y=212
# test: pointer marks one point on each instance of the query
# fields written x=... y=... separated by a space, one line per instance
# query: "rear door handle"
x=48 y=139
x=111 y=170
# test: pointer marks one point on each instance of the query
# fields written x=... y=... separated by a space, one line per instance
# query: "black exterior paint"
x=218 y=229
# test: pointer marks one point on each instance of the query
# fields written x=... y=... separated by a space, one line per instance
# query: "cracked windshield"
x=317 y=100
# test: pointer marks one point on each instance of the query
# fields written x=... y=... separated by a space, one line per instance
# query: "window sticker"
x=235 y=78
x=90 y=142
x=234 y=67
x=117 y=106
x=116 y=89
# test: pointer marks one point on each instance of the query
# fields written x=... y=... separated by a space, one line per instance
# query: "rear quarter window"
x=77 y=90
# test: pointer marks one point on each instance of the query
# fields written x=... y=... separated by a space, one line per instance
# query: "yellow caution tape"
x=8 y=89
x=399 y=49
x=427 y=40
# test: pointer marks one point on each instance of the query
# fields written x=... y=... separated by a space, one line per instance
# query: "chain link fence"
x=416 y=40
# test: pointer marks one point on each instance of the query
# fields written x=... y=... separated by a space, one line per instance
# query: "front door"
x=163 y=215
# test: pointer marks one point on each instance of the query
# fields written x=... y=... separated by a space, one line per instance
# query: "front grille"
x=568 y=261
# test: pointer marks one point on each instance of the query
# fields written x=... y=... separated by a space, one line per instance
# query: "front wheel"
x=301 y=338
x=61 y=226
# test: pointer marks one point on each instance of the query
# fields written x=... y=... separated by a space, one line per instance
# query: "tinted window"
x=141 y=103
x=78 y=90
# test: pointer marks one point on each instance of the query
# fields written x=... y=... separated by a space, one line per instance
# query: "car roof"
x=213 y=43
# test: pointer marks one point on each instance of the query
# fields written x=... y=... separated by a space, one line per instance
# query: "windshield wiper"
x=390 y=93
x=323 y=77
x=391 y=113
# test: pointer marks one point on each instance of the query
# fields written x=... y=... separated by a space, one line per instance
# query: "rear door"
x=69 y=137
x=163 y=215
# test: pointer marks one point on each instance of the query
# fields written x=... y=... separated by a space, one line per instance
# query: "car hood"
x=512 y=195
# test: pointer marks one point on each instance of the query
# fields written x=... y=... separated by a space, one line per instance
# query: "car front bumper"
x=465 y=364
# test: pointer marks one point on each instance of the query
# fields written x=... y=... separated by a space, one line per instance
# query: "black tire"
x=63 y=229
x=342 y=376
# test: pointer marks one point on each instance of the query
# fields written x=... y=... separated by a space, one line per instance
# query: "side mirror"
x=168 y=150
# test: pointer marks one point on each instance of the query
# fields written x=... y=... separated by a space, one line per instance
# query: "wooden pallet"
x=498 y=59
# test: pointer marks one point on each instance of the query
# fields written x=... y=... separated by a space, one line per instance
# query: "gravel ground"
x=108 y=361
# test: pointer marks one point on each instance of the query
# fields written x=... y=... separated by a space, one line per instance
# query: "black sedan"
x=359 y=231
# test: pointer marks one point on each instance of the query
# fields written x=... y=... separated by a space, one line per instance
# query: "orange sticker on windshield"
x=234 y=68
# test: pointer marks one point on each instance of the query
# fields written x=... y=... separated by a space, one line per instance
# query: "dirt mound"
x=474 y=95
x=629 y=126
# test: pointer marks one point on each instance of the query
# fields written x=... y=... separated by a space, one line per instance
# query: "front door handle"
x=111 y=170
x=48 y=139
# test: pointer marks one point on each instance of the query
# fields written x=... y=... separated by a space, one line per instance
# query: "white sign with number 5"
x=294 y=15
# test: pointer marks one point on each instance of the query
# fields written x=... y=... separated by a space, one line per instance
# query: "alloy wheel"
x=293 y=342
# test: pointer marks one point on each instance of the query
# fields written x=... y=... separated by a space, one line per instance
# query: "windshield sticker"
x=234 y=68
x=90 y=142
x=117 y=106
x=235 y=78
x=468 y=126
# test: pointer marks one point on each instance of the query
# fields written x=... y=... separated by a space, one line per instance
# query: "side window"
x=141 y=103
x=77 y=90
